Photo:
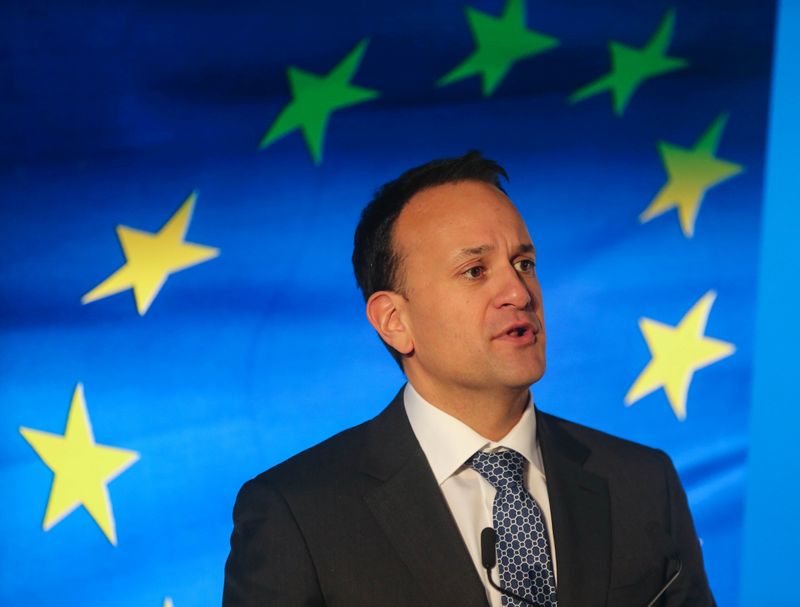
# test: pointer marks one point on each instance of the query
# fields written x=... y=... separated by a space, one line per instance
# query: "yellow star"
x=150 y=258
x=677 y=352
x=82 y=469
x=690 y=173
x=167 y=602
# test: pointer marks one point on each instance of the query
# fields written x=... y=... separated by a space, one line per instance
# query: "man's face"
x=473 y=304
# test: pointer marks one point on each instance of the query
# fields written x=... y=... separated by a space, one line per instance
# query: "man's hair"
x=376 y=261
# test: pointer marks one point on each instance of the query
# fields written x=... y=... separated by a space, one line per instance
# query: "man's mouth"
x=522 y=332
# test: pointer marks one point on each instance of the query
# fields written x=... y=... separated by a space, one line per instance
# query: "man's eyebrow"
x=488 y=248
x=472 y=251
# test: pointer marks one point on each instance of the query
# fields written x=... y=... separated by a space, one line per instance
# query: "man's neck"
x=491 y=413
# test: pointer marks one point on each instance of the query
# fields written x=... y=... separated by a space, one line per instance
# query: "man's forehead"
x=457 y=191
x=460 y=215
x=465 y=202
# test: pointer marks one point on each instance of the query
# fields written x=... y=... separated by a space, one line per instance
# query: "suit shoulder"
x=607 y=445
x=330 y=459
x=637 y=476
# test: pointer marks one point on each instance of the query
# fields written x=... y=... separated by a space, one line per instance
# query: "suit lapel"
x=579 y=505
x=411 y=510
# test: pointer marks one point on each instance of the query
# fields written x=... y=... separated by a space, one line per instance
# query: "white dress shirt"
x=448 y=443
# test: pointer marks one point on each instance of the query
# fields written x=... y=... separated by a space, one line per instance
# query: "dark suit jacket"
x=360 y=520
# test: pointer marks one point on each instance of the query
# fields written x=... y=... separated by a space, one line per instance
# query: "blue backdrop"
x=772 y=528
x=180 y=183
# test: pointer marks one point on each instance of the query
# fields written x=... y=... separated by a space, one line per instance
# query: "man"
x=393 y=512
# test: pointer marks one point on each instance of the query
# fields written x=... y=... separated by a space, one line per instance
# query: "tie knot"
x=501 y=468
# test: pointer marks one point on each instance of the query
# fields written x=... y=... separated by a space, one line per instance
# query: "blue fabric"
x=772 y=525
x=113 y=113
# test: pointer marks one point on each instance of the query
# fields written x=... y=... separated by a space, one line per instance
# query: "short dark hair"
x=376 y=262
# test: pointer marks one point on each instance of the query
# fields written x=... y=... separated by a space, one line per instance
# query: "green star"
x=315 y=97
x=632 y=66
x=499 y=43
x=690 y=171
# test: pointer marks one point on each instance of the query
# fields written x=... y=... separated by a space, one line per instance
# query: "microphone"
x=489 y=560
x=669 y=549
x=488 y=548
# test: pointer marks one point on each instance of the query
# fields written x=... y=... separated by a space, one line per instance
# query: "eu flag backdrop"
x=180 y=184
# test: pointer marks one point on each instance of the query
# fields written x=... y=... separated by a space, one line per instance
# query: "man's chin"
x=537 y=376
x=523 y=377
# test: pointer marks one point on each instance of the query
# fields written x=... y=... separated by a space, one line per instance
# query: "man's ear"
x=385 y=314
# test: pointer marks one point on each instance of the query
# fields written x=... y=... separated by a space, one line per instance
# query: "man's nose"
x=513 y=290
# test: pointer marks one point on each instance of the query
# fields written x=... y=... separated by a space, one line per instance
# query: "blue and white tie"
x=523 y=550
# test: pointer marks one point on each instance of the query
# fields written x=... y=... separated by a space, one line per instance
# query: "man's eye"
x=474 y=272
x=525 y=265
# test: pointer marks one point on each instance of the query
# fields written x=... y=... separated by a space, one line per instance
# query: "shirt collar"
x=448 y=442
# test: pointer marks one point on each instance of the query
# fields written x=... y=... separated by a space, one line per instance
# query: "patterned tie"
x=523 y=551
